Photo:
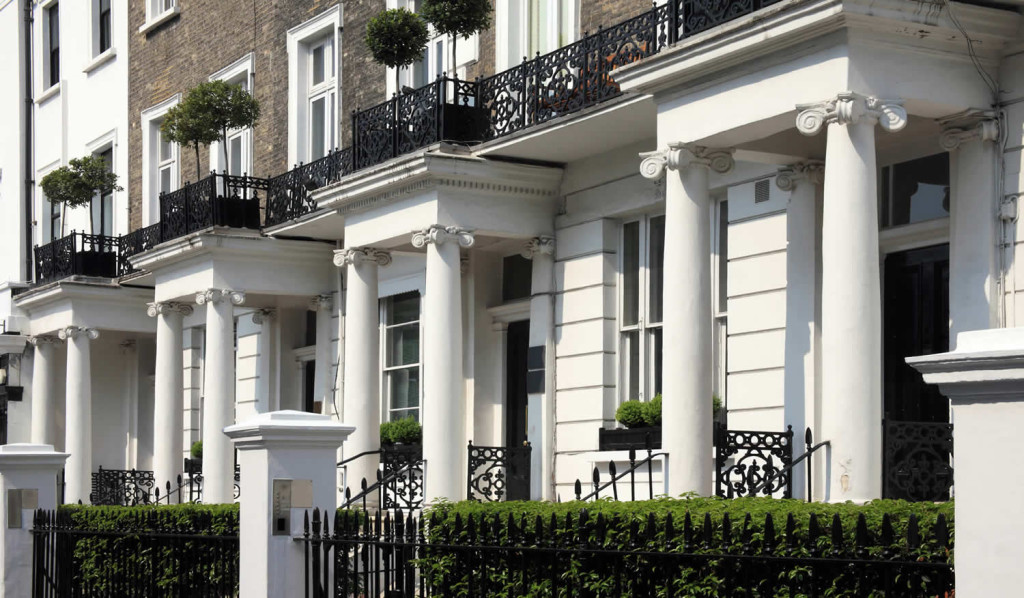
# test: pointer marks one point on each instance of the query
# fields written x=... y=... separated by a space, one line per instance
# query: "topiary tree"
x=631 y=414
x=77 y=183
x=396 y=38
x=206 y=114
x=456 y=18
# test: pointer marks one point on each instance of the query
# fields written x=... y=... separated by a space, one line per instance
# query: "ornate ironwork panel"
x=122 y=487
x=417 y=118
x=503 y=97
x=55 y=260
x=374 y=134
x=405 y=489
x=918 y=460
x=134 y=243
x=700 y=15
x=288 y=195
x=746 y=459
x=498 y=473
x=194 y=482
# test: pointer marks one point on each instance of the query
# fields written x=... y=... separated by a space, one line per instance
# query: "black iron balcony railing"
x=288 y=194
x=134 y=243
x=77 y=254
x=217 y=200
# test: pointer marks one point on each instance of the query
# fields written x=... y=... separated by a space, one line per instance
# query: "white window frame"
x=300 y=41
x=467 y=52
x=238 y=72
x=327 y=92
x=159 y=12
x=44 y=215
x=385 y=370
x=151 y=164
x=512 y=30
x=645 y=330
x=43 y=43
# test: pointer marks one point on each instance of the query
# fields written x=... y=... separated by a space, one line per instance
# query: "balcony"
x=78 y=254
x=217 y=200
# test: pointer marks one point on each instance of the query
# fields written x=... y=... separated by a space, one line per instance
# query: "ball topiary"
x=631 y=414
x=652 y=411
x=196 y=450
x=406 y=431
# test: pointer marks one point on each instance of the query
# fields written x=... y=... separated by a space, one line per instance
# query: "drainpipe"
x=28 y=157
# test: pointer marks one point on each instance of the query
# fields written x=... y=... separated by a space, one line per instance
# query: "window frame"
x=325 y=91
x=646 y=330
x=514 y=33
x=385 y=350
x=104 y=23
x=238 y=73
x=152 y=164
x=105 y=201
x=301 y=40
x=51 y=54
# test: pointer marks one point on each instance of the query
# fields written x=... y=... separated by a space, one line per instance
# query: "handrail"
x=810 y=450
x=634 y=466
x=364 y=453
x=381 y=481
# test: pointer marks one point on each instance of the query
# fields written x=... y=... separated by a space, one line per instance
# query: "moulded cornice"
x=431 y=171
x=793 y=22
x=239 y=246
x=71 y=291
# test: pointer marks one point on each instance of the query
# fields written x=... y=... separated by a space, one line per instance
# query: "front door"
x=518 y=342
x=917 y=432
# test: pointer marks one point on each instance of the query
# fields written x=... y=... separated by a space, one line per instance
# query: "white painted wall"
x=12 y=165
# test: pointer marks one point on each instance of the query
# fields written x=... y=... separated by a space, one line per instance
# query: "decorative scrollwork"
x=359 y=255
x=438 y=234
x=216 y=295
x=136 y=242
x=538 y=246
x=848 y=108
x=498 y=473
x=404 y=488
x=125 y=488
x=745 y=460
x=918 y=463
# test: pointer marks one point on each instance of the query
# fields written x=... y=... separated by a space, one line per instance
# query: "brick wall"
x=595 y=13
x=363 y=81
x=207 y=36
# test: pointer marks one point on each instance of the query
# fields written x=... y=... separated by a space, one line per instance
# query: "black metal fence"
x=126 y=488
x=77 y=254
x=155 y=555
x=288 y=194
x=751 y=462
x=587 y=556
x=917 y=460
x=498 y=473
x=134 y=243
x=217 y=200
x=399 y=483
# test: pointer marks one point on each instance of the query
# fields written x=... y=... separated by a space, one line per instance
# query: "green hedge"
x=167 y=548
x=641 y=526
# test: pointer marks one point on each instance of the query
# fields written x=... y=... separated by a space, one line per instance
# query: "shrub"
x=652 y=411
x=77 y=183
x=631 y=414
x=396 y=38
x=642 y=526
x=126 y=556
x=716 y=404
x=406 y=431
x=456 y=18
x=196 y=451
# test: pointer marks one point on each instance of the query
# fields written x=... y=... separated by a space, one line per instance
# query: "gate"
x=761 y=466
x=917 y=461
x=498 y=473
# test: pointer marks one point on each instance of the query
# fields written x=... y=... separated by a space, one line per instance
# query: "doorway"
x=516 y=347
x=917 y=435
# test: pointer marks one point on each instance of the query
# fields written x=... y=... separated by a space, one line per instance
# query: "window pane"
x=631 y=273
x=107 y=224
x=165 y=180
x=516 y=278
x=656 y=346
x=317 y=132
x=403 y=344
x=723 y=256
x=656 y=267
x=318 y=65
x=439 y=58
x=916 y=191
x=166 y=151
x=404 y=308
x=330 y=117
x=404 y=389
x=631 y=364
x=235 y=153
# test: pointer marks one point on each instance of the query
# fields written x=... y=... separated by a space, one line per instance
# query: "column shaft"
x=444 y=447
x=686 y=383
x=78 y=420
x=851 y=340
x=168 y=410
x=362 y=371
x=44 y=402
x=322 y=373
x=218 y=403
x=540 y=406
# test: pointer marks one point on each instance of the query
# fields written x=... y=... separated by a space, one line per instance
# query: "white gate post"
x=288 y=464
x=28 y=481
x=984 y=380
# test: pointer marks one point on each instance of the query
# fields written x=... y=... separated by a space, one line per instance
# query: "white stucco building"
x=775 y=206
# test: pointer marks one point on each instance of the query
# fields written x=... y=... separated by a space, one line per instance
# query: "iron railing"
x=399 y=483
x=288 y=195
x=217 y=200
x=497 y=555
x=148 y=554
x=77 y=254
x=134 y=243
x=745 y=459
x=917 y=460
x=498 y=473
x=123 y=487
x=615 y=477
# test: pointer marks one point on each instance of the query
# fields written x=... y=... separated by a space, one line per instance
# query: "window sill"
x=159 y=20
x=54 y=90
x=101 y=59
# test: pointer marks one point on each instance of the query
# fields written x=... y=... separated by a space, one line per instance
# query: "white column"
x=322 y=305
x=78 y=413
x=971 y=139
x=130 y=402
x=803 y=181
x=44 y=403
x=444 y=448
x=362 y=359
x=28 y=480
x=540 y=368
x=169 y=391
x=267 y=381
x=219 y=391
x=686 y=380
x=851 y=304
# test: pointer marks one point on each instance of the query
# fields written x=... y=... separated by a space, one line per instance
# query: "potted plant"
x=459 y=18
x=195 y=464
x=75 y=185
x=400 y=441
x=396 y=38
x=206 y=114
x=642 y=420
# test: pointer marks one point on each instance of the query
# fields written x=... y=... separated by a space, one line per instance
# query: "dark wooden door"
x=518 y=342
x=917 y=435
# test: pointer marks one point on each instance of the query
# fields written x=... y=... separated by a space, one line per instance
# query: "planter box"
x=463 y=123
x=628 y=438
x=193 y=466
x=236 y=212
x=11 y=393
x=96 y=263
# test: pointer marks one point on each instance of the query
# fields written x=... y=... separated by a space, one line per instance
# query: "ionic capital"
x=43 y=339
x=217 y=295
x=325 y=302
x=361 y=255
x=678 y=156
x=167 y=308
x=262 y=316
x=74 y=332
x=970 y=125
x=812 y=172
x=849 y=108
x=439 y=235
x=539 y=246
